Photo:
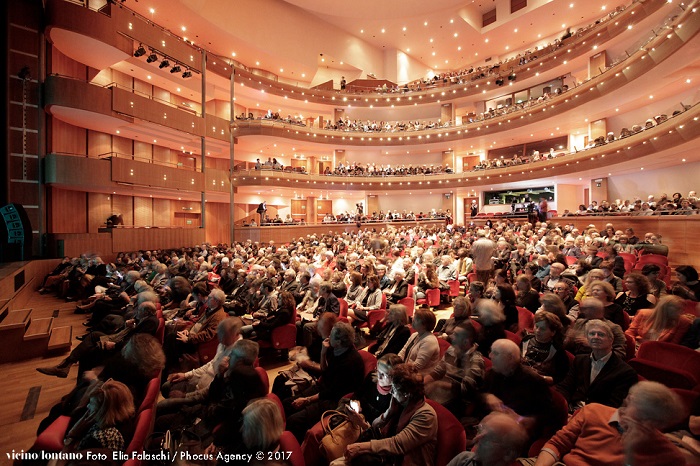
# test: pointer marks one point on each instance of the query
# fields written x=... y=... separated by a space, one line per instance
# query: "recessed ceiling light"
x=233 y=54
x=404 y=28
x=459 y=48
x=425 y=23
x=455 y=34
x=383 y=30
x=571 y=5
x=152 y=10
x=515 y=30
x=183 y=28
x=303 y=75
x=362 y=31
x=431 y=40
x=486 y=41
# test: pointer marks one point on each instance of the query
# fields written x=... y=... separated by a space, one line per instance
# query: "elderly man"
x=576 y=341
x=498 y=442
x=186 y=341
x=289 y=283
x=446 y=272
x=601 y=377
x=551 y=281
x=511 y=388
x=600 y=435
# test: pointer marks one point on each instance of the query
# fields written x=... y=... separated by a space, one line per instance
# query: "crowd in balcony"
x=372 y=126
x=652 y=205
x=494 y=71
x=372 y=169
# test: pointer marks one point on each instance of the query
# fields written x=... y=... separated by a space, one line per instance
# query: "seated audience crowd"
x=544 y=329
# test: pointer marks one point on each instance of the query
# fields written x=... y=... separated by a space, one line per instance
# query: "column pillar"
x=311 y=211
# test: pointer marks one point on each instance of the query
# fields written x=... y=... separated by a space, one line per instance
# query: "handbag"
x=336 y=439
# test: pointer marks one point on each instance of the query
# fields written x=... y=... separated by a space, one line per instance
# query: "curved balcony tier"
x=676 y=132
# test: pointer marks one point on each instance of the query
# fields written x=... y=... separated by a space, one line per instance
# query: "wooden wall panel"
x=143 y=87
x=98 y=143
x=164 y=155
x=99 y=208
x=143 y=211
x=161 y=94
x=67 y=139
x=103 y=77
x=217 y=223
x=122 y=145
x=143 y=150
x=132 y=239
x=148 y=174
x=65 y=66
x=162 y=212
x=121 y=79
x=124 y=205
x=219 y=164
x=76 y=244
x=68 y=211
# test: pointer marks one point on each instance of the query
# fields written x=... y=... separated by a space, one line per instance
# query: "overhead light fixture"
x=164 y=64
x=187 y=74
x=151 y=58
x=140 y=51
x=175 y=69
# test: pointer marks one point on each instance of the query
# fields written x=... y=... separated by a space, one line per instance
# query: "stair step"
x=61 y=338
x=16 y=319
x=4 y=308
x=39 y=328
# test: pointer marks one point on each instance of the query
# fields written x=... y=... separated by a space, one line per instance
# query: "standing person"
x=343 y=83
x=483 y=250
x=474 y=209
x=543 y=209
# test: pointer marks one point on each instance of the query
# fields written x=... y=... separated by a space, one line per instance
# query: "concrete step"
x=39 y=328
x=61 y=338
x=16 y=319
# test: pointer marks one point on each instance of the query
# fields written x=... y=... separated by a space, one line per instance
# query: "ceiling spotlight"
x=140 y=51
x=187 y=74
x=175 y=69
x=151 y=58
x=164 y=64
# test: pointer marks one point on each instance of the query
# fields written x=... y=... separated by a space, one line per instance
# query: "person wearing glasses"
x=410 y=419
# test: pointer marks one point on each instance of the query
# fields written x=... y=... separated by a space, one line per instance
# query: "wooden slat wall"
x=217 y=223
x=143 y=211
x=122 y=145
x=124 y=205
x=67 y=138
x=98 y=143
x=127 y=239
x=99 y=208
x=143 y=87
x=63 y=65
x=68 y=211
x=163 y=155
x=77 y=244
x=162 y=212
x=143 y=150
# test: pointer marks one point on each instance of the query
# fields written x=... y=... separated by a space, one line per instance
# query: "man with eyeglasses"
x=498 y=441
x=565 y=290
x=554 y=276
x=576 y=341
x=601 y=435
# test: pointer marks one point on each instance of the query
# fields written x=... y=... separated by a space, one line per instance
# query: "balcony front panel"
x=153 y=175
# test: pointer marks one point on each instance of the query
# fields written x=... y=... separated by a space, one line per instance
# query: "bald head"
x=505 y=356
x=592 y=308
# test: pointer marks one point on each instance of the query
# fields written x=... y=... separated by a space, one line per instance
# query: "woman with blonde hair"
x=109 y=408
x=665 y=322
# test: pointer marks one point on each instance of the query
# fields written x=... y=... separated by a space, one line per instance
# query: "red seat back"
x=144 y=426
x=343 y=307
x=265 y=379
x=526 y=319
x=288 y=443
x=410 y=304
x=451 y=437
x=152 y=391
x=444 y=346
x=370 y=361
x=513 y=337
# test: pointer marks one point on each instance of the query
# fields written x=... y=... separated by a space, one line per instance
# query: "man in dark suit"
x=290 y=283
x=327 y=302
x=601 y=377
x=398 y=289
